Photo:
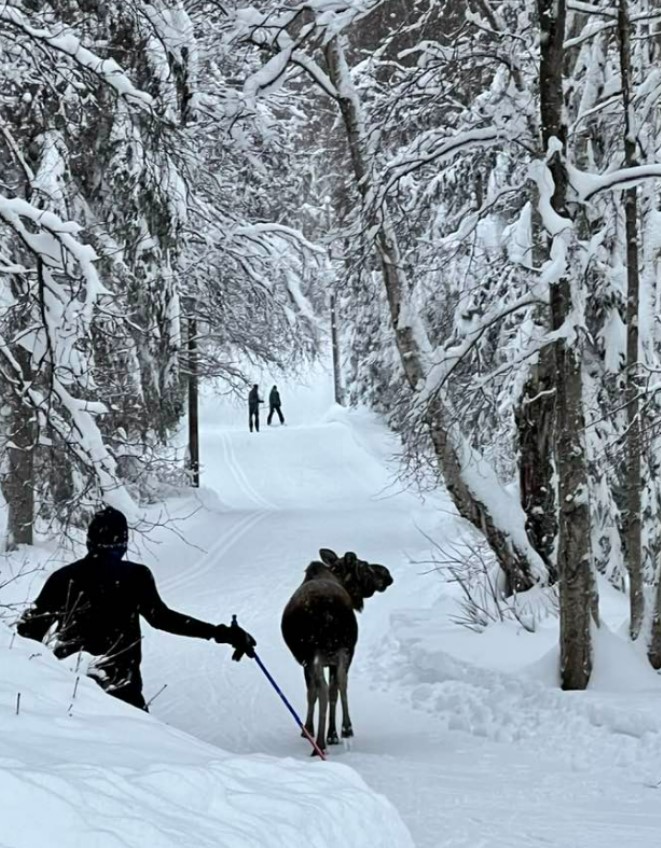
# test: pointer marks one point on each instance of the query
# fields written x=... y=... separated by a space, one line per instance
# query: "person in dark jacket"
x=95 y=604
x=254 y=401
x=275 y=406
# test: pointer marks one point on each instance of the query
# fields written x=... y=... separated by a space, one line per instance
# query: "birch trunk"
x=519 y=561
x=576 y=579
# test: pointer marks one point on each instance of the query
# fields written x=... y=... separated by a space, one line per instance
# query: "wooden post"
x=193 y=417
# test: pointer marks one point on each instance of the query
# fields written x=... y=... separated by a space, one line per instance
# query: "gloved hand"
x=237 y=637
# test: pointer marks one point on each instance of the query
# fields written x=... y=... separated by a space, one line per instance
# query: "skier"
x=95 y=605
x=274 y=406
x=254 y=401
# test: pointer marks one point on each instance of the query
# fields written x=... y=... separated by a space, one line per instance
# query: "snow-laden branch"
x=433 y=148
x=68 y=44
x=332 y=17
x=279 y=230
x=541 y=174
x=587 y=185
x=453 y=353
x=65 y=321
x=271 y=31
x=502 y=506
x=80 y=434
x=589 y=9
x=55 y=245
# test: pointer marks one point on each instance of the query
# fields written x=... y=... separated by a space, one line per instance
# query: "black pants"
x=280 y=415
x=253 y=417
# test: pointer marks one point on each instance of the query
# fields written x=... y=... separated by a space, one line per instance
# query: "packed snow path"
x=470 y=757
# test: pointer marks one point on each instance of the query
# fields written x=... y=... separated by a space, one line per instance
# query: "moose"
x=320 y=628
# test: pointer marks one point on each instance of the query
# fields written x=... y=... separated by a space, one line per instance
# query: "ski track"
x=471 y=757
x=229 y=538
x=234 y=532
x=239 y=475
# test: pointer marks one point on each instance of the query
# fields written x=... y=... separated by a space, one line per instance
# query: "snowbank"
x=89 y=770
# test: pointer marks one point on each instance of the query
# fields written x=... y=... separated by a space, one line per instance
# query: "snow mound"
x=101 y=773
x=526 y=708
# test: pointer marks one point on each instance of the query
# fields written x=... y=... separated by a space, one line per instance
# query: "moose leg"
x=322 y=694
x=343 y=682
x=332 y=705
x=311 y=687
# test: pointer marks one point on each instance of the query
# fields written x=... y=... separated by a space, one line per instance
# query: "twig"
x=154 y=697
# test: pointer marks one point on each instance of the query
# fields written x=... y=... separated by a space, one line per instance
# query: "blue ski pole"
x=307 y=734
x=298 y=721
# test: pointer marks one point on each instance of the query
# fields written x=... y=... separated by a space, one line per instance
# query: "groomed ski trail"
x=469 y=757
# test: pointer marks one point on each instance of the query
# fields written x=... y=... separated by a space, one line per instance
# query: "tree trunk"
x=335 y=342
x=534 y=423
x=18 y=483
x=633 y=509
x=534 y=416
x=193 y=417
x=517 y=558
x=654 y=647
x=575 y=569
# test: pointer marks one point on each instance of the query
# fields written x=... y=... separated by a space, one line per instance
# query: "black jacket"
x=274 y=398
x=254 y=400
x=96 y=604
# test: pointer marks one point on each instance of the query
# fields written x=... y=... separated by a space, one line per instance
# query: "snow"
x=467 y=734
x=102 y=773
x=587 y=185
x=106 y=69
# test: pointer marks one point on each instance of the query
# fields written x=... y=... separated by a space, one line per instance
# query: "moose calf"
x=320 y=628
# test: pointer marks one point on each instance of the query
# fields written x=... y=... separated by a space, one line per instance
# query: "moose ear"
x=350 y=559
x=328 y=556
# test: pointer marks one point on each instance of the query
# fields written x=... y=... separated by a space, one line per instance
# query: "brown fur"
x=320 y=628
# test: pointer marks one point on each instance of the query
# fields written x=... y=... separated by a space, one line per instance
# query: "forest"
x=470 y=187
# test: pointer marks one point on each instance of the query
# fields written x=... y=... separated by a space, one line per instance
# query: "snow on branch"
x=64 y=321
x=334 y=16
x=587 y=185
x=54 y=244
x=433 y=148
x=271 y=31
x=456 y=350
x=68 y=44
x=272 y=228
x=589 y=9
x=331 y=16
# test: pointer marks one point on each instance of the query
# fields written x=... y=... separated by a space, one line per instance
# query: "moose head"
x=361 y=579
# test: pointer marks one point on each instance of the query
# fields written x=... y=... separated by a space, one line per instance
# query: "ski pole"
x=307 y=734
x=270 y=679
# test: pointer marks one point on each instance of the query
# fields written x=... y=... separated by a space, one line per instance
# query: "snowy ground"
x=79 y=769
x=466 y=734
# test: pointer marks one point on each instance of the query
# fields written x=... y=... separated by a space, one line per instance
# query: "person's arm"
x=42 y=614
x=160 y=616
x=152 y=607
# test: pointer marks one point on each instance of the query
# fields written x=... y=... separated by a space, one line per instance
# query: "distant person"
x=95 y=605
x=254 y=401
x=274 y=406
